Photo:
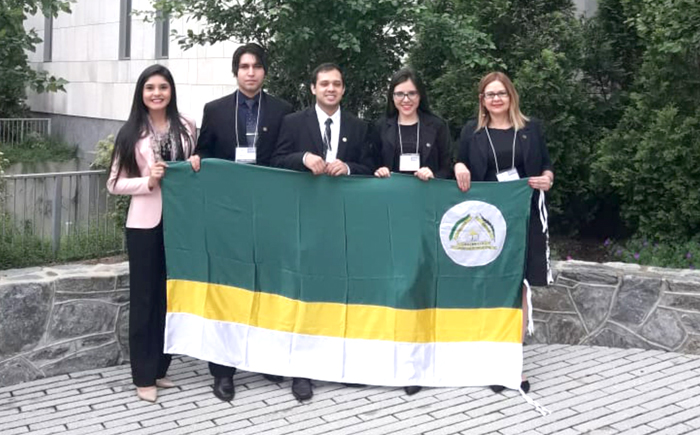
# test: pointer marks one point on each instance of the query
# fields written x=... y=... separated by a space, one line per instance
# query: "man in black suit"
x=325 y=139
x=242 y=127
x=253 y=137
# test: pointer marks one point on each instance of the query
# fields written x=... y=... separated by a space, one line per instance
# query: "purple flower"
x=645 y=243
x=636 y=255
x=618 y=252
x=688 y=255
x=692 y=266
x=569 y=257
x=607 y=242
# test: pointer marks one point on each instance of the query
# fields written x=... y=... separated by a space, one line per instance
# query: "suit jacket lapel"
x=314 y=130
x=524 y=140
x=344 y=138
x=426 y=142
x=390 y=135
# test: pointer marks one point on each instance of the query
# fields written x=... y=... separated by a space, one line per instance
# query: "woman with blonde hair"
x=504 y=145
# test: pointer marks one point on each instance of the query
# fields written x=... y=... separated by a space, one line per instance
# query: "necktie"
x=251 y=123
x=327 y=137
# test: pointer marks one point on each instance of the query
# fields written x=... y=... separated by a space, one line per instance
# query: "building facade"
x=100 y=49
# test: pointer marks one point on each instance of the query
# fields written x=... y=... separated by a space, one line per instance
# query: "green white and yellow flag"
x=359 y=280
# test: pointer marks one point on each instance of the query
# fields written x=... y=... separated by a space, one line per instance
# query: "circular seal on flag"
x=472 y=233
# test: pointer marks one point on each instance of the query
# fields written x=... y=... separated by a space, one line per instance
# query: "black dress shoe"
x=354 y=385
x=413 y=389
x=273 y=378
x=524 y=385
x=497 y=388
x=301 y=389
x=223 y=388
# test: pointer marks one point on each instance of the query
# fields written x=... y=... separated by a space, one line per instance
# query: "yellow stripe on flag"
x=370 y=322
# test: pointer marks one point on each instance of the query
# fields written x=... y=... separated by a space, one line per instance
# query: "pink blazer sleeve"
x=125 y=185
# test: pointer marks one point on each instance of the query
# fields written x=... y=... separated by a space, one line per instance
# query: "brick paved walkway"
x=591 y=390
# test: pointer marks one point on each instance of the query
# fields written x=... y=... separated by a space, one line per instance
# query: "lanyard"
x=257 y=120
x=515 y=134
x=417 y=136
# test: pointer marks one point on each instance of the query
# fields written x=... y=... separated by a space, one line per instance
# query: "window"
x=162 y=35
x=125 y=29
x=48 y=38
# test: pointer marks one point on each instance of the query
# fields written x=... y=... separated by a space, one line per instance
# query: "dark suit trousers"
x=147 y=305
x=219 y=371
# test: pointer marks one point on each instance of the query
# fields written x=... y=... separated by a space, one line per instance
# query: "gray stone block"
x=115 y=297
x=552 y=298
x=691 y=345
x=637 y=296
x=684 y=286
x=590 y=275
x=614 y=336
x=683 y=302
x=561 y=281
x=691 y=321
x=104 y=356
x=77 y=318
x=540 y=336
x=24 y=309
x=85 y=284
x=56 y=352
x=593 y=303
x=17 y=370
x=565 y=329
x=541 y=316
x=664 y=328
x=123 y=281
x=123 y=331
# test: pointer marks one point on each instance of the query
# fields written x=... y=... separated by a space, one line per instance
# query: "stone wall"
x=619 y=305
x=62 y=319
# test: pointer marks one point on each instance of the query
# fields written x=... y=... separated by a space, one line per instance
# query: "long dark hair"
x=404 y=75
x=136 y=127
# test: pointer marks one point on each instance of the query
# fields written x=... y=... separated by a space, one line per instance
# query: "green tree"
x=652 y=158
x=538 y=43
x=15 y=73
x=367 y=38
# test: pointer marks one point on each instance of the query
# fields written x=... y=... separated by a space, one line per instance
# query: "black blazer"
x=475 y=150
x=434 y=144
x=300 y=133
x=217 y=137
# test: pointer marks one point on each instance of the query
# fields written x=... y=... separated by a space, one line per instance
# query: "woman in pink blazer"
x=154 y=134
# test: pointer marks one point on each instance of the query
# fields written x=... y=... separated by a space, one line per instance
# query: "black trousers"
x=148 y=305
x=219 y=371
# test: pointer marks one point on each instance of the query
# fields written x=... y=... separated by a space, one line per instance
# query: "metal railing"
x=60 y=209
x=13 y=131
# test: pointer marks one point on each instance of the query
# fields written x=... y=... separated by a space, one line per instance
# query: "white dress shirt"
x=335 y=131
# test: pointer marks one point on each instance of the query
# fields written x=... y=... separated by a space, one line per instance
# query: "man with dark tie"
x=325 y=139
x=258 y=115
x=242 y=127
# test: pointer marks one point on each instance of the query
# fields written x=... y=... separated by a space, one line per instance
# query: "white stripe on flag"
x=373 y=362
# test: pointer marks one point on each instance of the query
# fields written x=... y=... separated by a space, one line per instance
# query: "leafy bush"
x=103 y=156
x=652 y=158
x=38 y=148
x=642 y=251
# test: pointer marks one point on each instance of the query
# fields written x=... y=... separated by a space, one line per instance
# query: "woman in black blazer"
x=502 y=145
x=412 y=139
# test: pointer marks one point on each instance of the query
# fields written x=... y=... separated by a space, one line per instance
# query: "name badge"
x=409 y=162
x=245 y=154
x=509 y=175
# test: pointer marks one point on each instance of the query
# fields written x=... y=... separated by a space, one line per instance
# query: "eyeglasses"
x=401 y=95
x=500 y=94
